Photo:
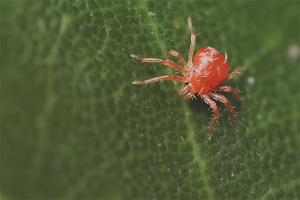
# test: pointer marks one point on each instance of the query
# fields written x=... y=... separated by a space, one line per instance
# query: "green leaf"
x=74 y=125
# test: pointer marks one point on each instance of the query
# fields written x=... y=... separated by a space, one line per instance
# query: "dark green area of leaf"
x=74 y=126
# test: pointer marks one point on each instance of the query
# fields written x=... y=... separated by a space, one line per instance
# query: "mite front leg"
x=227 y=89
x=213 y=106
x=164 y=62
x=179 y=57
x=192 y=46
x=227 y=103
x=161 y=78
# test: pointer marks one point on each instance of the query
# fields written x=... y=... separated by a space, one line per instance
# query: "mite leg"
x=161 y=78
x=180 y=58
x=189 y=94
x=188 y=91
x=227 y=103
x=192 y=46
x=229 y=76
x=213 y=106
x=228 y=89
x=185 y=89
x=164 y=62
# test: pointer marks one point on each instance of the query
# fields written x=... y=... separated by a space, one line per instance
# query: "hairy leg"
x=188 y=91
x=213 y=106
x=192 y=46
x=185 y=89
x=180 y=58
x=227 y=103
x=161 y=78
x=189 y=95
x=227 y=89
x=229 y=76
x=164 y=62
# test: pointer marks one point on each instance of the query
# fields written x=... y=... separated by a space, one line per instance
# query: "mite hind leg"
x=228 y=89
x=213 y=105
x=222 y=99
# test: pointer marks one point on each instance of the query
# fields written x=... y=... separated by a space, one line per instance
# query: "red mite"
x=203 y=76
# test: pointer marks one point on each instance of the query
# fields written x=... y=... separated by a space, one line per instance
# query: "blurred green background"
x=74 y=126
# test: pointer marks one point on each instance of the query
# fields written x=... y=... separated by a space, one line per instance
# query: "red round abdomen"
x=210 y=68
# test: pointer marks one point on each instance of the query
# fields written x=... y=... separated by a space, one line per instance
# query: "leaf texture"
x=74 y=125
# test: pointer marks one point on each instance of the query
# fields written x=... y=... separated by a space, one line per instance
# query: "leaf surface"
x=74 y=125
